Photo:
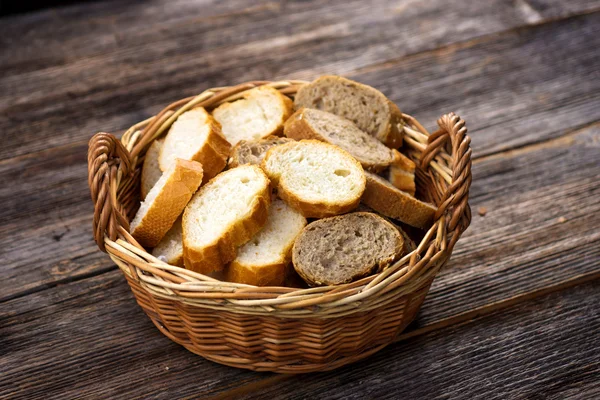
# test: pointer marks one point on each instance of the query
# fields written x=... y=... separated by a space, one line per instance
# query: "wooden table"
x=515 y=315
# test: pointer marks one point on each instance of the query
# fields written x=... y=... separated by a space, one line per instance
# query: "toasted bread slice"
x=260 y=113
x=170 y=247
x=367 y=107
x=401 y=173
x=308 y=123
x=253 y=151
x=196 y=136
x=151 y=172
x=264 y=259
x=316 y=178
x=225 y=213
x=390 y=201
x=165 y=202
x=340 y=249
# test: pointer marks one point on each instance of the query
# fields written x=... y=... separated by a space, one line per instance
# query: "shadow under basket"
x=279 y=329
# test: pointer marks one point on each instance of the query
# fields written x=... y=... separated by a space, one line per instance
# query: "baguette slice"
x=165 y=202
x=253 y=151
x=264 y=259
x=316 y=178
x=171 y=245
x=196 y=136
x=151 y=172
x=401 y=173
x=341 y=249
x=390 y=201
x=225 y=213
x=308 y=123
x=260 y=113
x=367 y=107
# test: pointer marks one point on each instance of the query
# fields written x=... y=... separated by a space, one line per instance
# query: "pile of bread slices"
x=243 y=192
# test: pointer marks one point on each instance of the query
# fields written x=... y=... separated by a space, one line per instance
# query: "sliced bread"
x=390 y=201
x=307 y=123
x=263 y=260
x=225 y=213
x=401 y=173
x=337 y=250
x=253 y=151
x=196 y=136
x=170 y=247
x=316 y=178
x=151 y=172
x=367 y=107
x=165 y=202
x=260 y=113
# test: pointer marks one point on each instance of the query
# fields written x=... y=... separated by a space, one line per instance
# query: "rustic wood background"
x=515 y=315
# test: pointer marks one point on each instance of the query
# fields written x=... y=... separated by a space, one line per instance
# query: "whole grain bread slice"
x=151 y=172
x=165 y=202
x=259 y=113
x=225 y=213
x=390 y=201
x=337 y=250
x=307 y=123
x=253 y=151
x=316 y=178
x=170 y=247
x=264 y=259
x=196 y=136
x=401 y=173
x=367 y=107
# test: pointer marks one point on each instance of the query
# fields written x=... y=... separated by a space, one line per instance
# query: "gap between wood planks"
x=456 y=320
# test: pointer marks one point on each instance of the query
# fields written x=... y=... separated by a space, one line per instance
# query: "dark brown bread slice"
x=390 y=201
x=337 y=250
x=367 y=107
x=307 y=123
x=253 y=152
x=409 y=243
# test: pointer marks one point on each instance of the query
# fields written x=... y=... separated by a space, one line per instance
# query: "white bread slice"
x=170 y=246
x=260 y=113
x=225 y=213
x=316 y=178
x=367 y=107
x=264 y=259
x=390 y=201
x=151 y=172
x=308 y=123
x=253 y=151
x=401 y=173
x=165 y=202
x=196 y=136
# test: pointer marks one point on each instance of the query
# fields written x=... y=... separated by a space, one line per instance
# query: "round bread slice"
x=307 y=123
x=151 y=172
x=170 y=247
x=259 y=113
x=165 y=202
x=341 y=249
x=196 y=136
x=316 y=178
x=367 y=107
x=390 y=201
x=225 y=213
x=253 y=151
x=264 y=259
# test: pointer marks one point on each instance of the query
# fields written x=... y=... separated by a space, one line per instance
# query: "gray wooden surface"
x=515 y=315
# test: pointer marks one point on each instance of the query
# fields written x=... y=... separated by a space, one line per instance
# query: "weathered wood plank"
x=131 y=74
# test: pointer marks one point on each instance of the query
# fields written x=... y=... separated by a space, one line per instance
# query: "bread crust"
x=257 y=275
x=388 y=200
x=146 y=181
x=169 y=203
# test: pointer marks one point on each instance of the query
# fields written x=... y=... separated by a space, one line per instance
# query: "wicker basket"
x=278 y=329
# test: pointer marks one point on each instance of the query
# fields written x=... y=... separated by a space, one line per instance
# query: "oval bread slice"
x=225 y=213
x=341 y=249
x=264 y=259
x=253 y=151
x=260 y=113
x=308 y=123
x=316 y=178
x=165 y=202
x=390 y=201
x=170 y=246
x=196 y=136
x=151 y=172
x=367 y=107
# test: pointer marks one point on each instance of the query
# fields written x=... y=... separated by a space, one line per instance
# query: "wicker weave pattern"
x=276 y=328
